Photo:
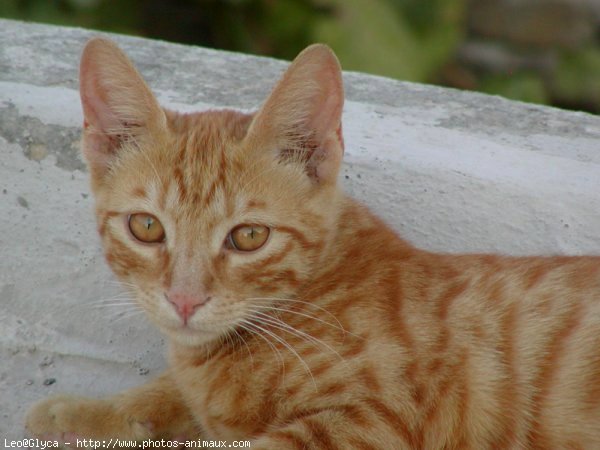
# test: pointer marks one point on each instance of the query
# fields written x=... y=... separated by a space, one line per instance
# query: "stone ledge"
x=451 y=170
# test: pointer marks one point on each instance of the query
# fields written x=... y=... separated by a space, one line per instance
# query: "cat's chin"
x=189 y=337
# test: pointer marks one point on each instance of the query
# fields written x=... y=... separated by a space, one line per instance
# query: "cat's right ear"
x=117 y=104
x=301 y=120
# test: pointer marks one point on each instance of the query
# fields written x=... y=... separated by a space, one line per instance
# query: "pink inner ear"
x=99 y=145
x=326 y=116
x=96 y=111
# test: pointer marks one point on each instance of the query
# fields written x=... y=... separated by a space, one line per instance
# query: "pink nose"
x=185 y=304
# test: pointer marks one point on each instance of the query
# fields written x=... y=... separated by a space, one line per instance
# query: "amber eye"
x=146 y=228
x=248 y=237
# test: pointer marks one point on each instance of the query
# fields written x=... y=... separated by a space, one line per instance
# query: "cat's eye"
x=146 y=228
x=247 y=238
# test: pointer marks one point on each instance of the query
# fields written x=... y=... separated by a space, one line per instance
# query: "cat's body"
x=332 y=332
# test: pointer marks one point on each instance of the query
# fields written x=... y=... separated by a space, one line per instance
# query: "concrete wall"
x=451 y=171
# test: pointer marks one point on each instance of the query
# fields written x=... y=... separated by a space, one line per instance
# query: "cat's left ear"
x=302 y=118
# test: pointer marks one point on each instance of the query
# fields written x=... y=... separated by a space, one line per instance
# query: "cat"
x=296 y=319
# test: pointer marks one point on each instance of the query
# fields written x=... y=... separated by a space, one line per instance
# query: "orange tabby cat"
x=297 y=319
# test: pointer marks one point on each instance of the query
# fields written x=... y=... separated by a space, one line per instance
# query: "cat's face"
x=209 y=218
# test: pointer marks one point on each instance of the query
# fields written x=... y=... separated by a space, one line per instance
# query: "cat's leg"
x=344 y=427
x=151 y=411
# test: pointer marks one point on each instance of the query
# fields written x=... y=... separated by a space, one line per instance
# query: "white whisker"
x=246 y=325
x=288 y=346
x=128 y=315
x=290 y=300
x=113 y=304
x=240 y=337
x=301 y=334
x=308 y=316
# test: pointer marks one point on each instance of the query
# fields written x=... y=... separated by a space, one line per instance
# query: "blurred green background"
x=543 y=51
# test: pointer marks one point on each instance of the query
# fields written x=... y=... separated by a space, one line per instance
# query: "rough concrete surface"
x=452 y=171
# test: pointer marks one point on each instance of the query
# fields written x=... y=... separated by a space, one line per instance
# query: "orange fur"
x=336 y=333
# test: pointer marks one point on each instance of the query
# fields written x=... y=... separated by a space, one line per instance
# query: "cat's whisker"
x=225 y=339
x=240 y=337
x=249 y=327
x=117 y=301
x=128 y=314
x=115 y=295
x=317 y=343
x=289 y=347
x=125 y=308
x=303 y=302
x=111 y=303
x=123 y=316
x=123 y=286
x=119 y=308
x=119 y=295
x=308 y=316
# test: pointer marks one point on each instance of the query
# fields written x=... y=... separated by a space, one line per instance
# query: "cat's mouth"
x=188 y=334
x=196 y=329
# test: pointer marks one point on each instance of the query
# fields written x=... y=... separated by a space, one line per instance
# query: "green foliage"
x=118 y=16
x=377 y=36
x=577 y=80
x=406 y=39
x=369 y=35
x=524 y=86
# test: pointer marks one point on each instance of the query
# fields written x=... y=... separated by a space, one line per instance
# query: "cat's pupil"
x=146 y=228
x=248 y=237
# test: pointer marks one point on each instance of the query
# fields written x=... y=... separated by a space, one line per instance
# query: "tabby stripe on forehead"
x=139 y=192
x=256 y=204
x=208 y=197
x=219 y=180
x=180 y=183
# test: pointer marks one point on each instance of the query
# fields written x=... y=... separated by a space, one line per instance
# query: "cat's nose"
x=186 y=304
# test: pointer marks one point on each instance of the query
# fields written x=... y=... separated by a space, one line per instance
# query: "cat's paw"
x=66 y=419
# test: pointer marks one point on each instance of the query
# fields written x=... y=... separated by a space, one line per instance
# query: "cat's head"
x=208 y=217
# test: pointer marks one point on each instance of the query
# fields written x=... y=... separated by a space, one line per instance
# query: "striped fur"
x=337 y=334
